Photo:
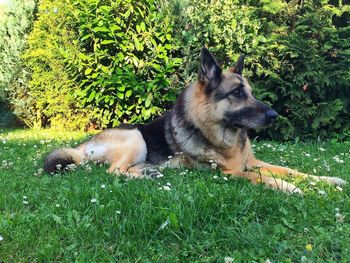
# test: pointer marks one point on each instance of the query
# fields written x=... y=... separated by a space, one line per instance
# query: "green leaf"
x=143 y=26
x=138 y=45
x=100 y=29
x=128 y=93
x=148 y=101
x=106 y=42
x=91 y=96
x=88 y=71
x=121 y=88
x=83 y=56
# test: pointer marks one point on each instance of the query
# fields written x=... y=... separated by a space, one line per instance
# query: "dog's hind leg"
x=127 y=164
x=269 y=169
x=272 y=182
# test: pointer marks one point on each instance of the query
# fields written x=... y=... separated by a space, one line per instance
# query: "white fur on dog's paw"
x=284 y=186
x=297 y=191
x=152 y=173
x=292 y=189
x=333 y=180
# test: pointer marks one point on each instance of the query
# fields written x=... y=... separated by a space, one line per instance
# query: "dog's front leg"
x=275 y=183
x=269 y=169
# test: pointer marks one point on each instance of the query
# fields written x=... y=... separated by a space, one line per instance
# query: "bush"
x=297 y=56
x=15 y=22
x=125 y=65
x=49 y=93
x=103 y=62
x=313 y=83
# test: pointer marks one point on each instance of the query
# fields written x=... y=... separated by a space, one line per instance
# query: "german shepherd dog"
x=208 y=123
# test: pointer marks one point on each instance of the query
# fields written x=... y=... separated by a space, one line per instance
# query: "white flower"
x=339 y=188
x=339 y=217
x=337 y=210
x=93 y=200
x=168 y=184
x=159 y=175
x=225 y=178
x=58 y=205
x=321 y=192
x=118 y=212
x=215 y=177
x=214 y=165
x=337 y=159
x=166 y=188
x=1 y=238
x=25 y=202
x=103 y=186
x=25 y=197
x=228 y=260
x=170 y=157
x=321 y=149
x=71 y=167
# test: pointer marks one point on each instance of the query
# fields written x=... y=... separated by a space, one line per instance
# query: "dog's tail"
x=59 y=159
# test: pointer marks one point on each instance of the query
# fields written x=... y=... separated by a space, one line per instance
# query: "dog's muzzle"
x=271 y=115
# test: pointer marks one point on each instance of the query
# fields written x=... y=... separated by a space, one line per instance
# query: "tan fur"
x=121 y=149
x=76 y=155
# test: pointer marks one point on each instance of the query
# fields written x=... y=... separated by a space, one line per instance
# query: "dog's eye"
x=238 y=93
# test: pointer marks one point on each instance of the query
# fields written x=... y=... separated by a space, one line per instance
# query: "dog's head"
x=230 y=95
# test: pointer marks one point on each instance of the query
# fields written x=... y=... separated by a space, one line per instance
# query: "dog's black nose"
x=271 y=114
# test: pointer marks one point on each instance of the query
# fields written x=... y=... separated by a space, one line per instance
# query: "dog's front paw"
x=333 y=180
x=283 y=186
x=292 y=189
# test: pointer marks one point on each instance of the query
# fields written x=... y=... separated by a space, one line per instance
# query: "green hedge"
x=124 y=61
x=125 y=65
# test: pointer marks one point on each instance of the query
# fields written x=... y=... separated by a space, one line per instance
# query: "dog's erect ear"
x=209 y=71
x=238 y=69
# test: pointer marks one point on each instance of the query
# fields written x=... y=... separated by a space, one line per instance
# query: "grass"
x=91 y=216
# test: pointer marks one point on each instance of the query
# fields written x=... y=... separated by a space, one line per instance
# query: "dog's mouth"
x=252 y=124
x=238 y=126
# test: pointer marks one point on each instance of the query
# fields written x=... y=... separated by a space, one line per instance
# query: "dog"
x=208 y=123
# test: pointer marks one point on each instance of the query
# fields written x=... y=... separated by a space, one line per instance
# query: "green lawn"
x=91 y=216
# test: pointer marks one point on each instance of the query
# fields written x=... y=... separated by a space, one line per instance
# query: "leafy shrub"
x=15 y=21
x=96 y=61
x=125 y=65
x=297 y=56
x=312 y=83
x=48 y=94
